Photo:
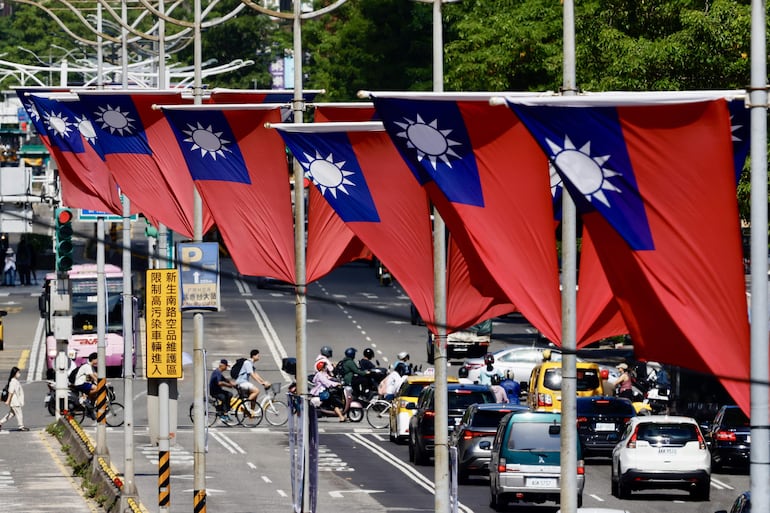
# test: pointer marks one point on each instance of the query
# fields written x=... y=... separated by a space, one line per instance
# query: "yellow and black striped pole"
x=199 y=501
x=164 y=480
x=101 y=401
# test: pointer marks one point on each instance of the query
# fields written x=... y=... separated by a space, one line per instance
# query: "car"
x=742 y=504
x=601 y=421
x=661 y=452
x=544 y=389
x=422 y=424
x=408 y=393
x=525 y=462
x=478 y=424
x=729 y=438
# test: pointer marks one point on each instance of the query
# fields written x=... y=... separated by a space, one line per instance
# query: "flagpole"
x=759 y=466
x=568 y=495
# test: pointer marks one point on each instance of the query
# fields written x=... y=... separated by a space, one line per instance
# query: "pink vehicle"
x=83 y=301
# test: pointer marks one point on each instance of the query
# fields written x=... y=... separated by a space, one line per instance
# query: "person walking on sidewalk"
x=15 y=400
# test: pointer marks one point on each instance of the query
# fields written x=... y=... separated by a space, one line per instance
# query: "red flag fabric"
x=240 y=169
x=140 y=150
x=358 y=171
x=657 y=183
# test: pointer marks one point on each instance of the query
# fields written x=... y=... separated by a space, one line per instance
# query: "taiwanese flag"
x=359 y=172
x=85 y=179
x=140 y=150
x=249 y=96
x=240 y=169
x=657 y=183
x=330 y=243
x=490 y=182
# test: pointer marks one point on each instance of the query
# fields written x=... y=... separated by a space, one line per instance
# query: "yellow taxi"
x=544 y=392
x=408 y=393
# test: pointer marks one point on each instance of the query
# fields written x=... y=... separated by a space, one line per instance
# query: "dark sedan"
x=729 y=438
x=601 y=421
x=479 y=423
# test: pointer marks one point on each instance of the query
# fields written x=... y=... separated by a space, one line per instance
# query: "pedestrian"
x=623 y=383
x=216 y=383
x=24 y=261
x=10 y=268
x=15 y=400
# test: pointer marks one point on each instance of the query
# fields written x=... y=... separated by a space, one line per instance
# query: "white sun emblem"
x=59 y=123
x=86 y=129
x=34 y=114
x=555 y=179
x=327 y=174
x=587 y=173
x=428 y=140
x=114 y=120
x=206 y=140
x=735 y=128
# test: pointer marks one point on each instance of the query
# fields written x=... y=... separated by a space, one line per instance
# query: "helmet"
x=368 y=352
x=400 y=368
x=326 y=351
x=350 y=352
x=495 y=379
x=462 y=372
x=403 y=356
x=320 y=365
x=489 y=359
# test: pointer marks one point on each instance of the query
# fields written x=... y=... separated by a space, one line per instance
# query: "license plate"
x=667 y=451
x=605 y=426
x=541 y=482
x=748 y=439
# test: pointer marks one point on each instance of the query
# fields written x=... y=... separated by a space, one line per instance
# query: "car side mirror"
x=485 y=445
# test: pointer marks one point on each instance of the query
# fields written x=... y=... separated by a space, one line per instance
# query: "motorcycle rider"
x=392 y=382
x=323 y=382
x=352 y=375
x=325 y=356
x=512 y=388
x=500 y=395
x=366 y=362
x=403 y=357
x=485 y=376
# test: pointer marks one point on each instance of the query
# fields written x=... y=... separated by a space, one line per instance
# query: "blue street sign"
x=199 y=275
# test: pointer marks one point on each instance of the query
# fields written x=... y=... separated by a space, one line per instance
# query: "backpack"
x=72 y=375
x=4 y=395
x=235 y=370
x=339 y=370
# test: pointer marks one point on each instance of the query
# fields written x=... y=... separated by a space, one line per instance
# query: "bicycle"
x=274 y=411
x=378 y=413
x=212 y=413
x=114 y=415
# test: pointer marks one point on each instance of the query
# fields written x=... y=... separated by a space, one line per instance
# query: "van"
x=544 y=391
x=525 y=463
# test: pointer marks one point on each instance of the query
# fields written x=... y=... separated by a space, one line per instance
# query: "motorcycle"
x=50 y=398
x=352 y=408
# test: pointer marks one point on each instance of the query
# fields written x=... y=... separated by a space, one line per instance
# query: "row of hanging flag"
x=653 y=177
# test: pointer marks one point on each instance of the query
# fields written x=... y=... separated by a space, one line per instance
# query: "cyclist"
x=86 y=377
x=352 y=375
x=216 y=383
x=247 y=371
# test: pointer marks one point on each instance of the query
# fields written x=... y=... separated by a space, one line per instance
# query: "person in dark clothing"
x=216 y=383
x=352 y=374
x=366 y=362
x=24 y=261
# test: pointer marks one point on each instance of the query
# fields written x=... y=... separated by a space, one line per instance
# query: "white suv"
x=661 y=452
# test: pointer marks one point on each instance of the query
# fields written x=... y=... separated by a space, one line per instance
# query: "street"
x=360 y=469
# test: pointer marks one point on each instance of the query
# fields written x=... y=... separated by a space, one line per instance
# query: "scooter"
x=352 y=408
x=50 y=398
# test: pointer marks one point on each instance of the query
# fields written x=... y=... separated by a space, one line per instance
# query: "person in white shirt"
x=15 y=400
x=392 y=382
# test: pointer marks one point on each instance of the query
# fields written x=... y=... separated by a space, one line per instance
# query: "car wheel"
x=462 y=476
x=623 y=491
x=420 y=458
x=411 y=450
x=499 y=503
x=614 y=486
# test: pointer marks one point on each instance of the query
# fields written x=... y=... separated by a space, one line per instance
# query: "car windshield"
x=461 y=399
x=587 y=379
x=488 y=418
x=667 y=433
x=527 y=436
x=735 y=417
x=604 y=407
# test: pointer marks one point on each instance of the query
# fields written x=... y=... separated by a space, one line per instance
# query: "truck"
x=471 y=342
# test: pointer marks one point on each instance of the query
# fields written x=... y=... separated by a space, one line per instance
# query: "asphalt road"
x=360 y=470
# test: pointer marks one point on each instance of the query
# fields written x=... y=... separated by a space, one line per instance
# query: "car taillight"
x=501 y=465
x=470 y=366
x=544 y=400
x=632 y=441
x=725 y=436
x=582 y=420
x=581 y=469
x=702 y=442
x=467 y=435
x=429 y=413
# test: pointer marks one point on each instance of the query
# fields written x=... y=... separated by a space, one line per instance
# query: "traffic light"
x=63 y=239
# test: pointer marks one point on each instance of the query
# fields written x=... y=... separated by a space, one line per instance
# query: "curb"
x=103 y=474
